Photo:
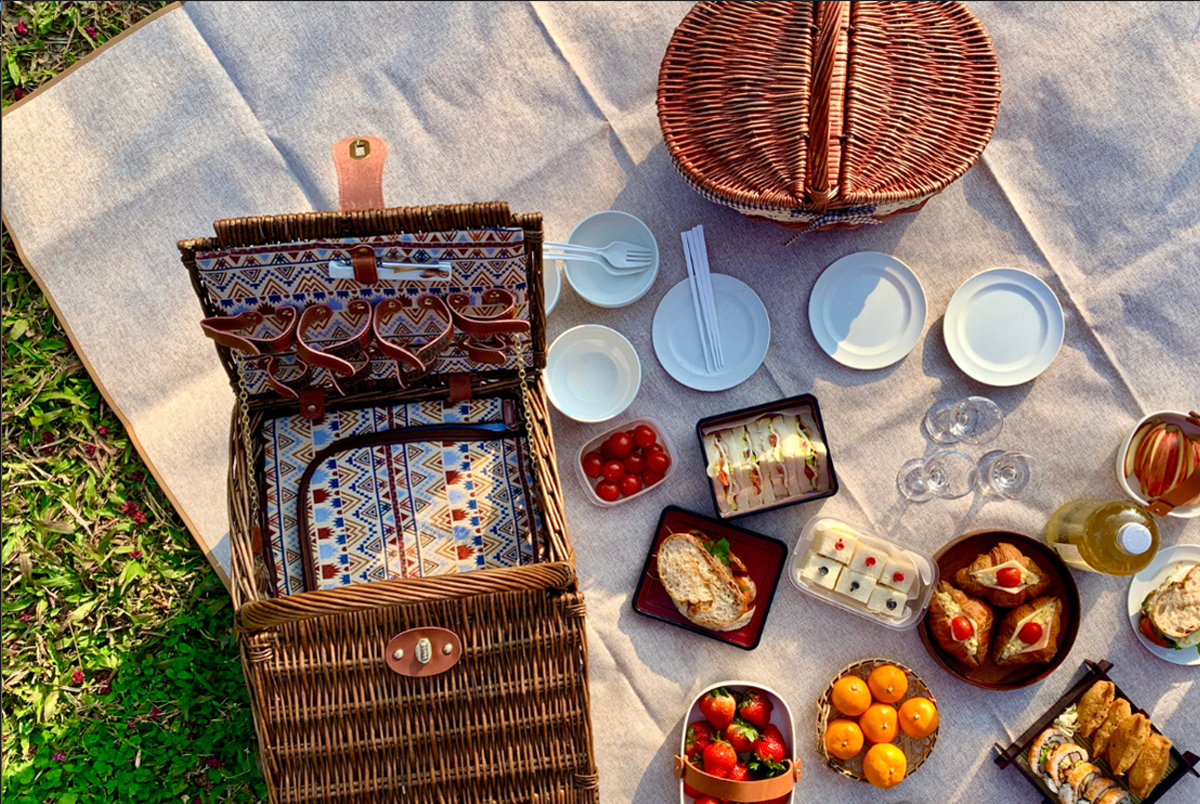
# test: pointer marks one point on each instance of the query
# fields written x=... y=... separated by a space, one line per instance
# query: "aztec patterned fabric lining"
x=297 y=274
x=398 y=511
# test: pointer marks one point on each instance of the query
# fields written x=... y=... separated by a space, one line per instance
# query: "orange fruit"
x=843 y=738
x=918 y=717
x=879 y=723
x=851 y=696
x=885 y=765
x=888 y=683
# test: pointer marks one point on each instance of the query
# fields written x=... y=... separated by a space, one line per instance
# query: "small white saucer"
x=596 y=285
x=592 y=373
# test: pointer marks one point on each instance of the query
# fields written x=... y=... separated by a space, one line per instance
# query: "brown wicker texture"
x=510 y=721
x=915 y=751
x=789 y=110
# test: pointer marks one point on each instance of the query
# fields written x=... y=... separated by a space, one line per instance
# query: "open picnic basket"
x=823 y=115
x=407 y=610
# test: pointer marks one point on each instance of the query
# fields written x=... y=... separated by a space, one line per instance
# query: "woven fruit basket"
x=823 y=115
x=915 y=750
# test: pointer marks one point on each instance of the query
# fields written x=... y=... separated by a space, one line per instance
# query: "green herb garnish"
x=719 y=550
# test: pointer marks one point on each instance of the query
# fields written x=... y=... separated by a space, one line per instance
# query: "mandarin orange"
x=851 y=696
x=843 y=738
x=878 y=723
x=888 y=683
x=885 y=765
x=918 y=717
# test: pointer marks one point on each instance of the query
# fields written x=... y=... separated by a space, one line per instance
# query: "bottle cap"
x=1134 y=538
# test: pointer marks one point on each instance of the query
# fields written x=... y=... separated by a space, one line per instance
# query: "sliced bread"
x=702 y=588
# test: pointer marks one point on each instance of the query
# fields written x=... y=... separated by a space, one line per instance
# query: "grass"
x=119 y=670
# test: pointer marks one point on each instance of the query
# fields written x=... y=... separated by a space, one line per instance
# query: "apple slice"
x=1138 y=436
x=1149 y=454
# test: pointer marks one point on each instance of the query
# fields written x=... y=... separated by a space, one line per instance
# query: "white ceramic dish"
x=1132 y=486
x=592 y=373
x=745 y=334
x=1003 y=327
x=1165 y=563
x=589 y=484
x=867 y=310
x=596 y=285
x=916 y=597
x=552 y=284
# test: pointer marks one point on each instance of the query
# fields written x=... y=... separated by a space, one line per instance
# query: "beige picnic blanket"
x=1092 y=183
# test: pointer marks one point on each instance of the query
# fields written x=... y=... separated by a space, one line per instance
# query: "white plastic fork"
x=618 y=253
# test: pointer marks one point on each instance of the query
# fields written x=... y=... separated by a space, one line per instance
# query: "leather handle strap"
x=344 y=358
x=359 y=162
x=502 y=322
x=287 y=387
x=423 y=360
x=234 y=332
x=758 y=790
x=1177 y=496
x=827 y=104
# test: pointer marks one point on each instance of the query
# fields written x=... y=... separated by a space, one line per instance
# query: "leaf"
x=719 y=550
x=68 y=798
x=14 y=71
x=50 y=705
x=82 y=611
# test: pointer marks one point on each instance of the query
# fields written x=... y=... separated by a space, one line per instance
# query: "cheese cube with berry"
x=855 y=585
x=888 y=602
x=821 y=570
x=835 y=543
x=869 y=560
x=899 y=573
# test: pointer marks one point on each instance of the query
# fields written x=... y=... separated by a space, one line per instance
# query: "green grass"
x=120 y=673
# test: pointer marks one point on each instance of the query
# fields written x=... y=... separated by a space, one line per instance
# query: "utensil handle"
x=570 y=247
x=827 y=102
x=581 y=256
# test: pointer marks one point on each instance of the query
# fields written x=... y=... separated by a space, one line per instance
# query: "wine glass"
x=948 y=474
x=1005 y=474
x=937 y=422
x=976 y=420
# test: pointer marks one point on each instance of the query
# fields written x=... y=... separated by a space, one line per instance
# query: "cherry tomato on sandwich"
x=1030 y=633
x=609 y=492
x=644 y=436
x=634 y=463
x=1009 y=577
x=619 y=445
x=658 y=462
x=613 y=471
x=631 y=485
x=962 y=629
x=593 y=464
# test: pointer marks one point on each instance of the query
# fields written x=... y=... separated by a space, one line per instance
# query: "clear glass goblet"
x=1006 y=474
x=937 y=422
x=947 y=474
x=976 y=420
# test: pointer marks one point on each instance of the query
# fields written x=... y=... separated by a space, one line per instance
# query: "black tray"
x=1018 y=752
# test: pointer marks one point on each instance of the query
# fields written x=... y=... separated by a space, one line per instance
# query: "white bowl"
x=551 y=284
x=591 y=281
x=592 y=373
x=1132 y=486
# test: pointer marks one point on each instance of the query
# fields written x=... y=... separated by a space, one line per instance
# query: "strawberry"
x=699 y=734
x=739 y=773
x=755 y=708
x=709 y=800
x=718 y=706
x=688 y=790
x=741 y=735
x=768 y=756
x=719 y=758
x=781 y=800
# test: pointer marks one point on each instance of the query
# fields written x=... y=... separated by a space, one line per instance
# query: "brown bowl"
x=959 y=554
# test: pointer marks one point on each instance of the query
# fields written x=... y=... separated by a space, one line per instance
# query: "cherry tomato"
x=609 y=492
x=592 y=464
x=644 y=436
x=1009 y=577
x=619 y=445
x=650 y=478
x=613 y=471
x=1030 y=633
x=634 y=463
x=658 y=462
x=655 y=447
x=962 y=629
x=631 y=485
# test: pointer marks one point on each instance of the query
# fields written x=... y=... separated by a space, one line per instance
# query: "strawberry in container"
x=737 y=746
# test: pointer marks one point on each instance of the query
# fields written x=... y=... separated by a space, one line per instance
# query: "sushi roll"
x=1114 y=796
x=1075 y=780
x=1062 y=759
x=1098 y=786
x=1039 y=752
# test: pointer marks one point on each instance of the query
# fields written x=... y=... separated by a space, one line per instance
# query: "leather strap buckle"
x=348 y=359
x=424 y=359
x=253 y=332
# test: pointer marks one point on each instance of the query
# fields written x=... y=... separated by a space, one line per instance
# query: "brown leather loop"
x=289 y=388
x=345 y=358
x=225 y=331
x=362 y=259
x=493 y=352
x=359 y=162
x=758 y=790
x=497 y=323
x=460 y=387
x=1177 y=496
x=423 y=360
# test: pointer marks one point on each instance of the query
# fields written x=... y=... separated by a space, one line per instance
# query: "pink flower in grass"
x=78 y=677
x=22 y=28
x=18 y=93
x=137 y=476
x=26 y=617
x=212 y=762
x=91 y=450
x=47 y=441
x=105 y=687
x=102 y=430
x=58 y=756
x=155 y=712
x=135 y=553
x=129 y=507
x=90 y=31
x=139 y=518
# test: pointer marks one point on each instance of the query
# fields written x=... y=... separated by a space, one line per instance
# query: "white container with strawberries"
x=737 y=744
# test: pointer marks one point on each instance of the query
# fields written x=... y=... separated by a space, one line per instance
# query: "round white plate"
x=867 y=310
x=592 y=373
x=1003 y=327
x=743 y=324
x=591 y=281
x=1151 y=578
x=552 y=284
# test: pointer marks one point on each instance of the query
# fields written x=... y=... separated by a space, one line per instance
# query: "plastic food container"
x=860 y=571
x=803 y=407
x=589 y=484
x=759 y=790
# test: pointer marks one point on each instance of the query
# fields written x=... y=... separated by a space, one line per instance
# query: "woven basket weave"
x=828 y=114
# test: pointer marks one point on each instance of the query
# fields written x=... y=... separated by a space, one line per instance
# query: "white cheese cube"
x=821 y=570
x=836 y=543
x=855 y=585
x=869 y=560
x=899 y=573
x=888 y=602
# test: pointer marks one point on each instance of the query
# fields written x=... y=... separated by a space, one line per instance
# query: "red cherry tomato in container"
x=962 y=629
x=1009 y=577
x=593 y=464
x=658 y=462
x=634 y=463
x=1030 y=633
x=631 y=485
x=644 y=436
x=613 y=471
x=650 y=478
x=655 y=447
x=619 y=445
x=609 y=492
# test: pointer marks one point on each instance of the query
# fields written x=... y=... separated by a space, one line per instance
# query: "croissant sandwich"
x=1004 y=576
x=1030 y=632
x=962 y=625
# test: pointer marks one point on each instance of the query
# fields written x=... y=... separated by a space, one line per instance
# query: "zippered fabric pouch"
x=404 y=491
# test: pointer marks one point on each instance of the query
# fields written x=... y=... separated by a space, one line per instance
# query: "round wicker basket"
x=915 y=751
x=828 y=114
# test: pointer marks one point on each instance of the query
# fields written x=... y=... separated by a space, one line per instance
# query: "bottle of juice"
x=1111 y=537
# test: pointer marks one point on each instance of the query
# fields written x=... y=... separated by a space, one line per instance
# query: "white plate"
x=867 y=310
x=552 y=284
x=1150 y=579
x=591 y=281
x=1003 y=327
x=743 y=323
x=592 y=373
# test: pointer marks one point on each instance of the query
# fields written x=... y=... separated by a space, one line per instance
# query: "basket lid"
x=827 y=105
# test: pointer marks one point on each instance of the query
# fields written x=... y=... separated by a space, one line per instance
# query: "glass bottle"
x=1111 y=537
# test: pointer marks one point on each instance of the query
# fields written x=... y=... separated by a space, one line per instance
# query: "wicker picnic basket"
x=822 y=115
x=510 y=720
